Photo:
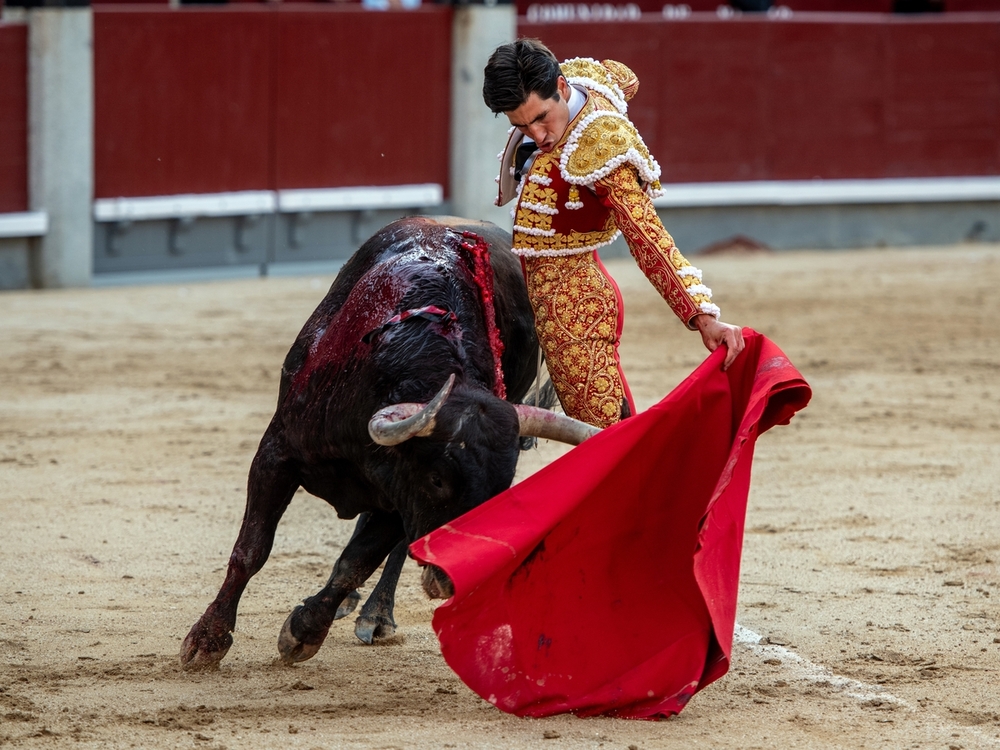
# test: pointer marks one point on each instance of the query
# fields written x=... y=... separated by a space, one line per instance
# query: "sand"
x=870 y=592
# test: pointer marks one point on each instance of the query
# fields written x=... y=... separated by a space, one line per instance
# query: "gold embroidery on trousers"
x=576 y=317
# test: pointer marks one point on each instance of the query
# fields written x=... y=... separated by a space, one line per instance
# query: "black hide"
x=352 y=358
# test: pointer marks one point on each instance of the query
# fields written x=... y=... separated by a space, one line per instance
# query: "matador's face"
x=544 y=120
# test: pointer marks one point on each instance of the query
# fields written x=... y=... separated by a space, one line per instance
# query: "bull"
x=399 y=404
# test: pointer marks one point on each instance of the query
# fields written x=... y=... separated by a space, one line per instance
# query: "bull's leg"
x=350 y=602
x=306 y=627
x=376 y=619
x=272 y=482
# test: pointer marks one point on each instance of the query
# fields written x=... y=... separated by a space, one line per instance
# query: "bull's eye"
x=436 y=480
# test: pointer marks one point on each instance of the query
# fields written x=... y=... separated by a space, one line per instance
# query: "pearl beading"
x=518 y=191
x=541 y=208
x=528 y=252
x=535 y=231
x=689 y=271
x=711 y=309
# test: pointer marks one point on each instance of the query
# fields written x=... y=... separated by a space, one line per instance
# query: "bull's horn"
x=537 y=422
x=398 y=423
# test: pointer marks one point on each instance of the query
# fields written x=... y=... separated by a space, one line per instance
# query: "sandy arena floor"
x=871 y=569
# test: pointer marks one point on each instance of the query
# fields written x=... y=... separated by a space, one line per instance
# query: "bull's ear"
x=536 y=422
x=398 y=423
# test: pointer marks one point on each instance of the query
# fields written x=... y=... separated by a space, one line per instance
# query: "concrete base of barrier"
x=326 y=240
x=15 y=269
x=830 y=227
x=259 y=242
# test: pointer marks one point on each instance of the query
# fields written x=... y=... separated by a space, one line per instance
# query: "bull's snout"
x=437 y=585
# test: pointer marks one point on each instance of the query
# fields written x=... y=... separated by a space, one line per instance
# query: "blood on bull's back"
x=391 y=407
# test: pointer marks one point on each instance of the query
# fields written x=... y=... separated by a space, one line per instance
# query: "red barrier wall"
x=204 y=100
x=269 y=97
x=537 y=10
x=362 y=97
x=181 y=101
x=130 y=2
x=839 y=6
x=13 y=117
x=754 y=99
x=972 y=6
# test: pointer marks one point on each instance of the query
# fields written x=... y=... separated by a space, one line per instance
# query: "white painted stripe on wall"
x=24 y=224
x=679 y=195
x=829 y=192
x=267 y=201
x=184 y=206
x=360 y=198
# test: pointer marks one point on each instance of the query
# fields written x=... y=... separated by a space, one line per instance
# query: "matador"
x=582 y=175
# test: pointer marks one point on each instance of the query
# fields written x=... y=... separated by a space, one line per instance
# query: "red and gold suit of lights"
x=596 y=183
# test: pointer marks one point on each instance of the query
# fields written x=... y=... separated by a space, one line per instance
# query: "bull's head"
x=467 y=455
x=398 y=423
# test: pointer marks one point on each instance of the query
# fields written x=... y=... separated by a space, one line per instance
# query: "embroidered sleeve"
x=653 y=248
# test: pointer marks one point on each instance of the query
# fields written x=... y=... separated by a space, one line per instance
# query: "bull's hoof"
x=436 y=583
x=297 y=642
x=347 y=606
x=370 y=629
x=205 y=646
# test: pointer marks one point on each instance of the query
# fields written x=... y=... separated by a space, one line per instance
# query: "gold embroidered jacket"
x=597 y=183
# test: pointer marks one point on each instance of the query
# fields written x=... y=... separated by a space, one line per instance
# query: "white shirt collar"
x=576 y=101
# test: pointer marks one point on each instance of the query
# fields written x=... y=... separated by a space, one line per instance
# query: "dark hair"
x=517 y=70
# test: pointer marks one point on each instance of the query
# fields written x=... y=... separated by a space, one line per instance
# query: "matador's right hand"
x=715 y=333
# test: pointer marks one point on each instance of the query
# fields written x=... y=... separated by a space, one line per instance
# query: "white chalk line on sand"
x=813 y=672
x=863 y=692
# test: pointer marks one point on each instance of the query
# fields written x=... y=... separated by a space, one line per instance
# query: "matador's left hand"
x=715 y=333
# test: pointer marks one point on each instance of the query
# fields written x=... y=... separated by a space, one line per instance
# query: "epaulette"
x=602 y=142
x=611 y=79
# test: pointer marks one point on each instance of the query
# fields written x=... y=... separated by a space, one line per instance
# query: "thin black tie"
x=524 y=152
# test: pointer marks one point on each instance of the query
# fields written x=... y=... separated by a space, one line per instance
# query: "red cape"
x=606 y=583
